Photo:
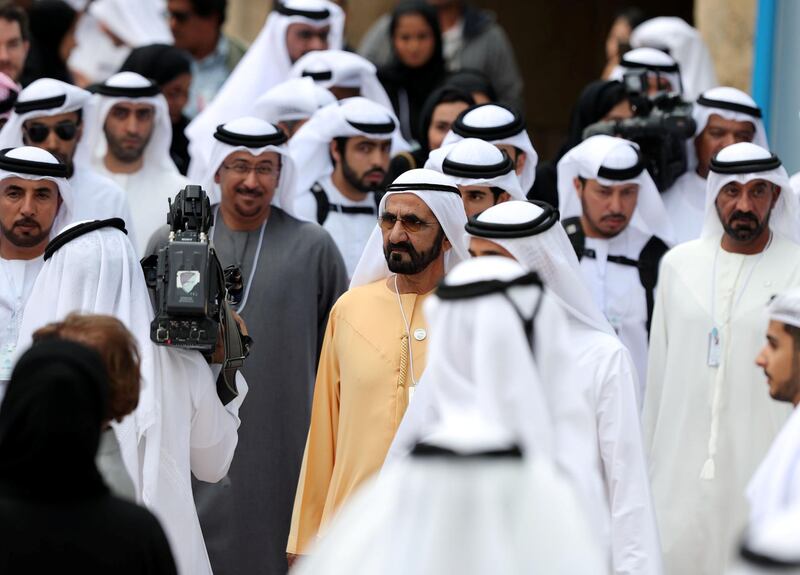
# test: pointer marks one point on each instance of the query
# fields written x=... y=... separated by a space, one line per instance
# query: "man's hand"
x=219 y=352
x=291 y=558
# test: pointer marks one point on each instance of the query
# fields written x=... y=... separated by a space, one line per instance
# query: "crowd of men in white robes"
x=448 y=375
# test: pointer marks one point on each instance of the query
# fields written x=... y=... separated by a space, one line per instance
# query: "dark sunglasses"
x=180 y=17
x=410 y=224
x=38 y=133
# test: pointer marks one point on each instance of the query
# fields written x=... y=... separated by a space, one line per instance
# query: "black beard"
x=418 y=260
x=744 y=234
x=25 y=241
x=352 y=178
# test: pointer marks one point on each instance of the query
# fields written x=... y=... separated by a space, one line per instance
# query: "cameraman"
x=179 y=427
x=723 y=116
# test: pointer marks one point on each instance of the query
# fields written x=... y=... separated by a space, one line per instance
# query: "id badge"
x=714 y=348
x=411 y=391
x=6 y=361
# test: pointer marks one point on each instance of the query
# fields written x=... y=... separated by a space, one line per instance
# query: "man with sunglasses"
x=375 y=345
x=127 y=136
x=345 y=152
x=49 y=114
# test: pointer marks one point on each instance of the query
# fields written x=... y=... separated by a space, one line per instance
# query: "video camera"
x=193 y=293
x=661 y=126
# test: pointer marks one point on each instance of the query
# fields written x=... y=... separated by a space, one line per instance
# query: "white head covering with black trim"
x=497 y=124
x=530 y=231
x=137 y=23
x=254 y=136
x=685 y=45
x=41 y=98
x=294 y=99
x=742 y=163
x=346 y=119
x=265 y=65
x=30 y=163
x=342 y=69
x=442 y=197
x=474 y=162
x=656 y=62
x=613 y=162
x=126 y=87
x=731 y=104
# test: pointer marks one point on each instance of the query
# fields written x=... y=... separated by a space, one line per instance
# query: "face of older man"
x=248 y=184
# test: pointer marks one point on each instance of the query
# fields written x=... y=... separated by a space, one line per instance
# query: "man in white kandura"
x=707 y=425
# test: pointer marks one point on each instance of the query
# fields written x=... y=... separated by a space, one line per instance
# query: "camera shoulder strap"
x=649 y=260
x=576 y=236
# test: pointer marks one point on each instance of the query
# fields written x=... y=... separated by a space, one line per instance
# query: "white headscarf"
x=515 y=226
x=340 y=68
x=685 y=45
x=432 y=188
x=652 y=60
x=474 y=162
x=126 y=87
x=30 y=163
x=497 y=124
x=785 y=218
x=346 y=119
x=266 y=64
x=137 y=23
x=295 y=99
x=41 y=98
x=733 y=105
x=586 y=160
x=254 y=136
x=481 y=363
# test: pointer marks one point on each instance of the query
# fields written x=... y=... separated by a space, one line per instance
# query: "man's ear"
x=776 y=193
x=446 y=245
x=216 y=177
x=519 y=164
x=504 y=197
x=578 y=186
x=334 y=150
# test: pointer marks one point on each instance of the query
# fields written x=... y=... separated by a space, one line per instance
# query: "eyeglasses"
x=38 y=133
x=261 y=170
x=180 y=17
x=410 y=223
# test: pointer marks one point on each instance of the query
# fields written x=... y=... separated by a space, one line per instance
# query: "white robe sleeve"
x=635 y=546
x=214 y=431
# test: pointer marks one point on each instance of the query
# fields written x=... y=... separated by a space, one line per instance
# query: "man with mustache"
x=613 y=214
x=374 y=351
x=35 y=204
x=707 y=426
x=344 y=152
x=126 y=136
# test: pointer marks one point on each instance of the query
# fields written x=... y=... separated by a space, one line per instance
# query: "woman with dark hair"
x=52 y=26
x=600 y=100
x=56 y=513
x=473 y=82
x=171 y=69
x=438 y=113
x=417 y=66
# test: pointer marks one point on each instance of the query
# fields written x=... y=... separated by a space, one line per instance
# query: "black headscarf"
x=160 y=62
x=50 y=423
x=596 y=100
x=446 y=93
x=50 y=20
x=415 y=83
x=472 y=81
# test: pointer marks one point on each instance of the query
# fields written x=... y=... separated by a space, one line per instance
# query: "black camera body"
x=661 y=126
x=189 y=282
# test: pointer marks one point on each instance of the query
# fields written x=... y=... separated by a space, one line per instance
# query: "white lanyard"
x=240 y=307
x=744 y=286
